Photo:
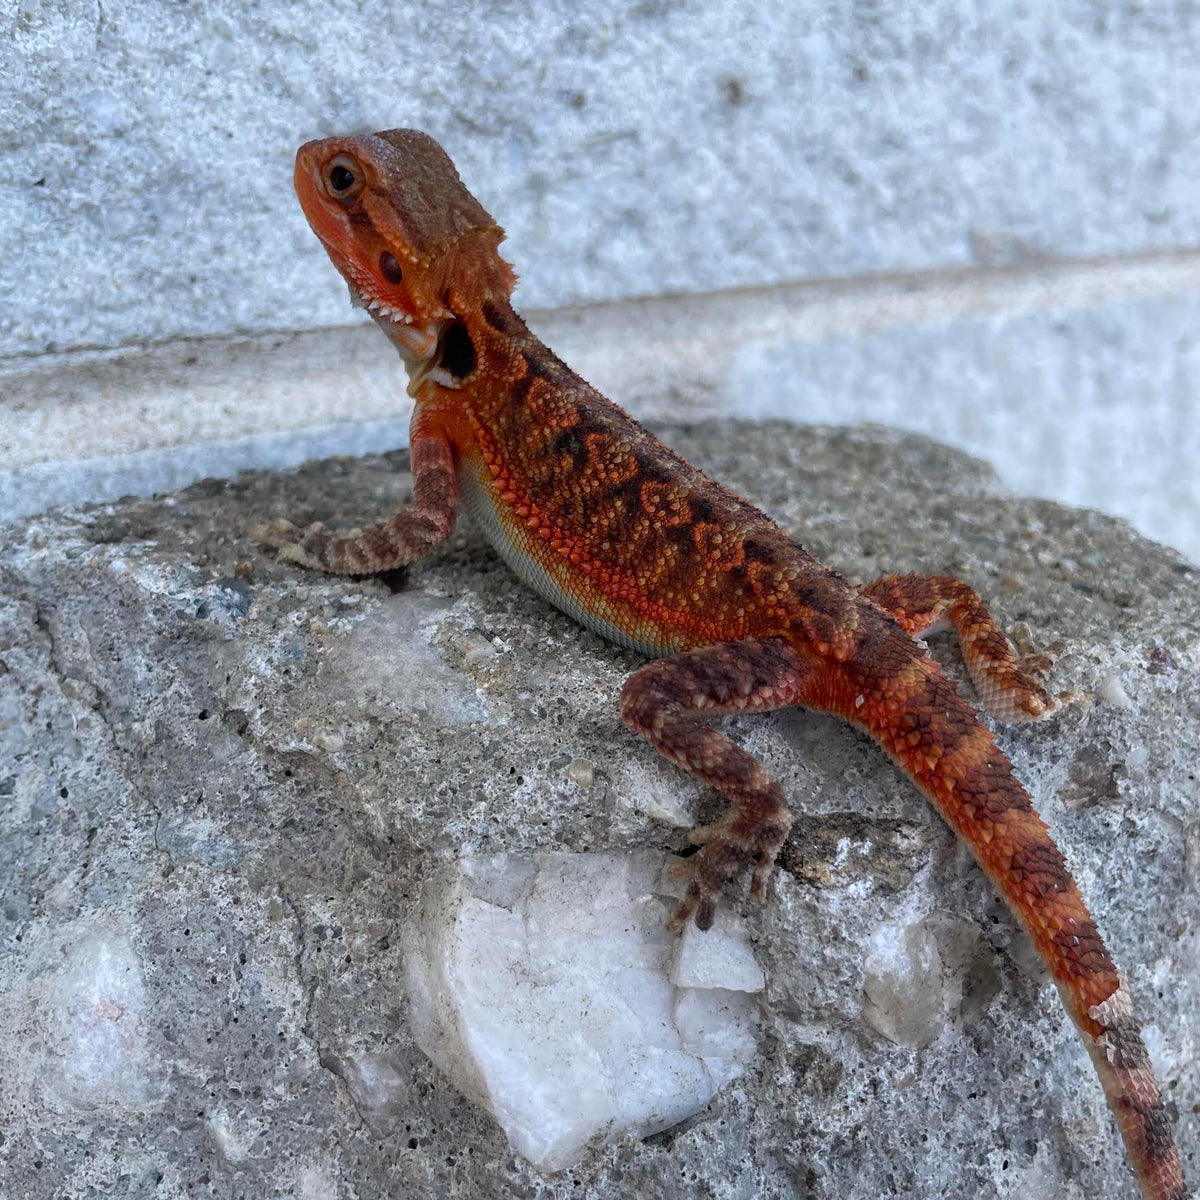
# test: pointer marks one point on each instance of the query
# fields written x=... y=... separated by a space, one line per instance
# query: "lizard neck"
x=509 y=359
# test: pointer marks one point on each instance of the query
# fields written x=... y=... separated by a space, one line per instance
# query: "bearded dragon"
x=608 y=524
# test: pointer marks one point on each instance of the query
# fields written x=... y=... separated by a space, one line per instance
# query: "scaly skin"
x=625 y=536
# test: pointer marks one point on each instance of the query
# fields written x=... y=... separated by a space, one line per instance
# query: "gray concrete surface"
x=630 y=148
x=217 y=820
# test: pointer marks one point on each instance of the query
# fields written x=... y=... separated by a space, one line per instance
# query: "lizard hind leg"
x=668 y=702
x=925 y=604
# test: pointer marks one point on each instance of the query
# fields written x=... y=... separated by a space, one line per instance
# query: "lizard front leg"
x=406 y=535
x=667 y=702
x=925 y=604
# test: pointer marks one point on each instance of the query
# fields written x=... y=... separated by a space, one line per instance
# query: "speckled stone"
x=223 y=784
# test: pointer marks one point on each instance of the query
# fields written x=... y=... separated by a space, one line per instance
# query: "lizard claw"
x=693 y=904
x=294 y=545
x=728 y=847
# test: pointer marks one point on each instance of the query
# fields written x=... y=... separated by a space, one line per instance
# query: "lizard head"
x=414 y=246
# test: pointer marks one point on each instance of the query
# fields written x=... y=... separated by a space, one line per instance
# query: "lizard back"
x=596 y=514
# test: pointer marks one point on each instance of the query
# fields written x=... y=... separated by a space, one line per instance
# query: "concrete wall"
x=630 y=149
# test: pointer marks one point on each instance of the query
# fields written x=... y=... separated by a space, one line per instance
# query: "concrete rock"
x=225 y=783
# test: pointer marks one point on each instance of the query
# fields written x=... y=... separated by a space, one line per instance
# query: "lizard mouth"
x=378 y=309
x=416 y=341
x=430 y=368
x=452 y=362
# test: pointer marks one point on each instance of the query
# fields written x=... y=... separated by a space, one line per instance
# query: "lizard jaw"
x=416 y=342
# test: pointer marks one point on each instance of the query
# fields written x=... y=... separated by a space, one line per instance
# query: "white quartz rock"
x=721 y=957
x=542 y=985
x=910 y=991
x=84 y=1023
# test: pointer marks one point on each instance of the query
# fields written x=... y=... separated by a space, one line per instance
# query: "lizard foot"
x=305 y=548
x=728 y=846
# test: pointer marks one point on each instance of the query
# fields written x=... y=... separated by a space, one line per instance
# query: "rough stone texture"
x=224 y=783
x=637 y=147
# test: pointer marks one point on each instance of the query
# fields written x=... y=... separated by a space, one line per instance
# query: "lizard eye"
x=389 y=268
x=344 y=178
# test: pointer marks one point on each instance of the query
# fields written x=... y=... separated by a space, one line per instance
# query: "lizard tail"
x=934 y=735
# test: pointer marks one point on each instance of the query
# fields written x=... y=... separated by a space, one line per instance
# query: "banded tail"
x=934 y=736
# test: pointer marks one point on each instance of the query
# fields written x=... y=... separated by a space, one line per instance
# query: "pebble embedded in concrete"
x=84 y=1020
x=547 y=988
x=387 y=657
x=908 y=990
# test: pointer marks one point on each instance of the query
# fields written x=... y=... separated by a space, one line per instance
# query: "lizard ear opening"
x=389 y=268
x=458 y=352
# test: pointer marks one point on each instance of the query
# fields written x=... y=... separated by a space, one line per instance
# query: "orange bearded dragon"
x=607 y=523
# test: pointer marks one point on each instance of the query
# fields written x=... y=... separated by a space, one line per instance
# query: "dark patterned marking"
x=569 y=441
x=541 y=366
x=360 y=220
x=625 y=499
x=631 y=489
x=1124 y=1039
x=875 y=636
x=821 y=594
x=1156 y=1127
x=825 y=610
x=519 y=391
x=501 y=318
x=682 y=535
x=579 y=439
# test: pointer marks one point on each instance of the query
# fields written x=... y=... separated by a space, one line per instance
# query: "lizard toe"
x=277 y=533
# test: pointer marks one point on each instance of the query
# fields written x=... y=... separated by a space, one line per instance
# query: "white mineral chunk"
x=376 y=1083
x=1112 y=691
x=720 y=957
x=910 y=992
x=542 y=986
x=654 y=793
x=718 y=1024
x=85 y=1025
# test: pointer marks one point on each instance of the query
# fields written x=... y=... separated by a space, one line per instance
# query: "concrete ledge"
x=1078 y=380
x=630 y=148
